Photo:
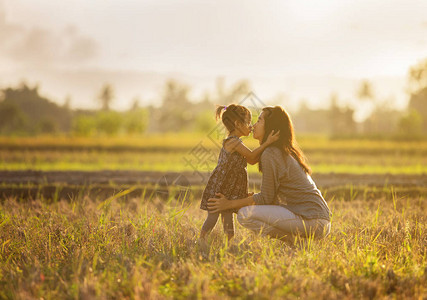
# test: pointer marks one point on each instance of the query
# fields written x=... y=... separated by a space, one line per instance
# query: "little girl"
x=230 y=176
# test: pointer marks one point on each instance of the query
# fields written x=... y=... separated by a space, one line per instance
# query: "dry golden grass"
x=145 y=249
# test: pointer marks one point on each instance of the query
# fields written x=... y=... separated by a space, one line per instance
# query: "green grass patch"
x=190 y=152
x=179 y=161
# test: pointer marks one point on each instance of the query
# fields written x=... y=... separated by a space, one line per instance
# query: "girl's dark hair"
x=232 y=113
x=276 y=118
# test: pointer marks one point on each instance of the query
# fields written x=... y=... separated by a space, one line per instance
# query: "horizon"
x=136 y=47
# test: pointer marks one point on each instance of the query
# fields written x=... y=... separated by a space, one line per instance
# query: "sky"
x=302 y=49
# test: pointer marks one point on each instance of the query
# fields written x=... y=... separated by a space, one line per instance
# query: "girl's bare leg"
x=209 y=224
x=227 y=222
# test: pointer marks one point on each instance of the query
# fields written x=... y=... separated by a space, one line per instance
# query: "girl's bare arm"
x=252 y=156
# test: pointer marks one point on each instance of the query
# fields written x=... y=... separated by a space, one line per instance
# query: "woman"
x=289 y=203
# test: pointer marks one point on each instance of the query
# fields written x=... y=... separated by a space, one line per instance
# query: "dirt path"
x=103 y=184
x=194 y=179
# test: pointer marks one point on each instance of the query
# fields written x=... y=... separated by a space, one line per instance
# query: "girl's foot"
x=233 y=246
x=203 y=248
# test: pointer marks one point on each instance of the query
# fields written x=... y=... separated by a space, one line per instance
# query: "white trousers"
x=279 y=222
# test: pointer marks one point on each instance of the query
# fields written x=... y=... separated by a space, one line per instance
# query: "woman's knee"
x=320 y=228
x=244 y=215
x=325 y=229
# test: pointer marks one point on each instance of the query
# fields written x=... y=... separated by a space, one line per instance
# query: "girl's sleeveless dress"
x=230 y=177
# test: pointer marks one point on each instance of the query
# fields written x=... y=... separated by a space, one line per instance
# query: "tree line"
x=23 y=111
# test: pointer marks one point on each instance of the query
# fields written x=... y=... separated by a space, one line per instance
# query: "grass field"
x=178 y=161
x=136 y=246
x=178 y=153
x=142 y=249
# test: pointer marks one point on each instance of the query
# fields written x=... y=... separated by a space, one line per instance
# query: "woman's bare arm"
x=222 y=203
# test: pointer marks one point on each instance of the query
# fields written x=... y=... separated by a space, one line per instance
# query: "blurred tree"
x=12 y=119
x=365 y=91
x=109 y=122
x=175 y=94
x=67 y=102
x=418 y=102
x=220 y=88
x=410 y=125
x=135 y=104
x=383 y=121
x=205 y=121
x=311 y=121
x=335 y=121
x=84 y=124
x=32 y=107
x=341 y=119
x=418 y=92
x=135 y=121
x=367 y=105
x=418 y=77
x=176 y=111
x=334 y=113
x=106 y=97
x=47 y=126
x=236 y=93
x=206 y=103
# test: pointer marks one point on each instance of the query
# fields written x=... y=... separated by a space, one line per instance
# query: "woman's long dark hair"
x=276 y=118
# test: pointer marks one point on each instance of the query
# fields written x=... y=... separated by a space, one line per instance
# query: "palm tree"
x=106 y=97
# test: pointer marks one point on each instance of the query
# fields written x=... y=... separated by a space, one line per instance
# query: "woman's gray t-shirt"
x=285 y=183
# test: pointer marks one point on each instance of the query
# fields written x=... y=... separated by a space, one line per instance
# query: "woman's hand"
x=218 y=204
x=272 y=137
